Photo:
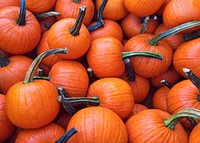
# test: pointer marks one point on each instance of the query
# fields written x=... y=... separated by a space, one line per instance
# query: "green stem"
x=77 y=26
x=47 y=14
x=166 y=83
x=22 y=15
x=41 y=77
x=191 y=36
x=193 y=78
x=77 y=1
x=3 y=61
x=174 y=30
x=36 y=62
x=144 y=25
x=144 y=53
x=129 y=68
x=187 y=112
x=67 y=136
x=100 y=22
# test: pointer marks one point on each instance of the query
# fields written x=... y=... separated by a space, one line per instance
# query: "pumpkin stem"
x=166 y=83
x=77 y=1
x=67 y=136
x=3 y=61
x=145 y=54
x=77 y=26
x=36 y=62
x=41 y=77
x=145 y=22
x=99 y=22
x=187 y=112
x=191 y=36
x=22 y=15
x=91 y=75
x=174 y=30
x=198 y=97
x=129 y=68
x=193 y=78
x=69 y=108
x=48 y=26
x=47 y=14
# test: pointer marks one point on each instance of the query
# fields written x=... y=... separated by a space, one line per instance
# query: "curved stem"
x=67 y=136
x=77 y=26
x=166 y=83
x=36 y=62
x=191 y=36
x=100 y=22
x=47 y=14
x=174 y=30
x=3 y=61
x=129 y=68
x=193 y=78
x=144 y=53
x=187 y=112
x=22 y=15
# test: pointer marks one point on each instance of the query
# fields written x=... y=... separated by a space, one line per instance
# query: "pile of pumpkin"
x=83 y=71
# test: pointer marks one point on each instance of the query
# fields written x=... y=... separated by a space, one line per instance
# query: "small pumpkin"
x=194 y=135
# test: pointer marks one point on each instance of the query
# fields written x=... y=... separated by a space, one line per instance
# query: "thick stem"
x=47 y=14
x=41 y=77
x=166 y=83
x=174 y=30
x=191 y=36
x=77 y=26
x=67 y=136
x=22 y=15
x=36 y=62
x=187 y=112
x=193 y=78
x=100 y=22
x=145 y=23
x=3 y=61
x=129 y=68
x=145 y=54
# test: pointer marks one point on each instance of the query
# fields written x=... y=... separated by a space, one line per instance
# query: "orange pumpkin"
x=19 y=29
x=4 y=3
x=104 y=126
x=7 y=128
x=194 y=136
x=32 y=110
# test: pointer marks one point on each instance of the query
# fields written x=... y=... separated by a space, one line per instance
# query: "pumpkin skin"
x=25 y=101
x=60 y=36
x=49 y=133
x=132 y=26
x=18 y=39
x=148 y=126
x=70 y=9
x=104 y=126
x=14 y=72
x=4 y=3
x=194 y=135
x=71 y=76
x=109 y=29
x=143 y=65
x=115 y=94
x=7 y=128
x=187 y=56
x=40 y=6
x=142 y=8
x=114 y=10
x=111 y=65
x=178 y=12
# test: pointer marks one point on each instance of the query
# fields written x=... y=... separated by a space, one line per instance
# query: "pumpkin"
x=131 y=25
x=97 y=124
x=7 y=128
x=184 y=94
x=67 y=136
x=20 y=30
x=160 y=11
x=33 y=104
x=40 y=6
x=9 y=3
x=13 y=70
x=70 y=9
x=194 y=135
x=111 y=65
x=138 y=107
x=142 y=8
x=70 y=33
x=114 y=10
x=178 y=12
x=186 y=56
x=71 y=76
x=49 y=133
x=154 y=125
